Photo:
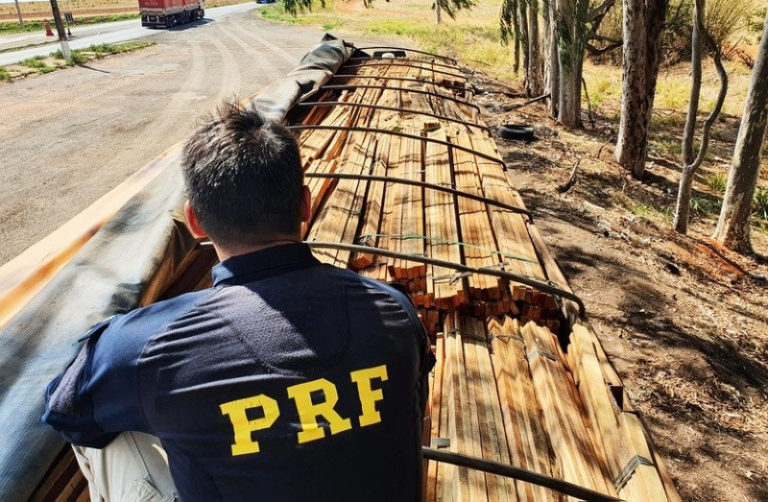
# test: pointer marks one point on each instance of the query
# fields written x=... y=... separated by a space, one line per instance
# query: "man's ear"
x=306 y=204
x=194 y=224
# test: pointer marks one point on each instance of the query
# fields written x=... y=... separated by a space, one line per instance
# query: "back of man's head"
x=244 y=178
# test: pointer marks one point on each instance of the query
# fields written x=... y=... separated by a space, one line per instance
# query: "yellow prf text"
x=309 y=412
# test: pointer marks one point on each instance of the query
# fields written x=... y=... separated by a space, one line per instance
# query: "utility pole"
x=60 y=30
x=18 y=11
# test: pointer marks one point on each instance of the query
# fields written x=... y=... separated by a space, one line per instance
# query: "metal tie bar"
x=406 y=65
x=541 y=286
x=513 y=472
x=394 y=109
x=422 y=184
x=409 y=50
x=402 y=135
x=406 y=79
x=369 y=58
x=348 y=87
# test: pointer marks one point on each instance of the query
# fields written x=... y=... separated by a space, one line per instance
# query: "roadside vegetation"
x=56 y=61
x=8 y=27
x=474 y=39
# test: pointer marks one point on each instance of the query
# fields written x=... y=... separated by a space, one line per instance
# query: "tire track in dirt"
x=167 y=117
x=287 y=57
x=114 y=83
x=228 y=91
x=270 y=70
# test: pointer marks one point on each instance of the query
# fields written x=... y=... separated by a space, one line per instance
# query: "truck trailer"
x=169 y=13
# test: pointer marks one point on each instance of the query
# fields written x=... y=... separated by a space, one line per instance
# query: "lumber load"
x=415 y=112
x=517 y=380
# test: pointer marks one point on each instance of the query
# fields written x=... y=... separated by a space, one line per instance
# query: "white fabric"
x=132 y=468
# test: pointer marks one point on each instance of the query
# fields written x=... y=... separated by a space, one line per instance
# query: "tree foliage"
x=450 y=7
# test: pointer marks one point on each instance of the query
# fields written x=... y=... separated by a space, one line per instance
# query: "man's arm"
x=96 y=397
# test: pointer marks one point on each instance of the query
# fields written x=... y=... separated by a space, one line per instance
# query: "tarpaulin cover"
x=140 y=247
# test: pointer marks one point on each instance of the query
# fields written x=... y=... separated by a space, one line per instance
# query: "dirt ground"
x=684 y=321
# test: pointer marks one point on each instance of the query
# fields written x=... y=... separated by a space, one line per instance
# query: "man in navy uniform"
x=287 y=380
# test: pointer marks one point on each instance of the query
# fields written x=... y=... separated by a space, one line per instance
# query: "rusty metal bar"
x=394 y=109
x=422 y=184
x=541 y=286
x=402 y=135
x=396 y=63
x=404 y=79
x=510 y=471
x=371 y=58
x=415 y=51
x=349 y=87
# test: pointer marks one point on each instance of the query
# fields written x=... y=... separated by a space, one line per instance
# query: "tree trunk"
x=682 y=211
x=554 y=62
x=524 y=40
x=733 y=224
x=546 y=42
x=516 y=20
x=535 y=82
x=693 y=105
x=18 y=12
x=437 y=13
x=570 y=58
x=643 y=24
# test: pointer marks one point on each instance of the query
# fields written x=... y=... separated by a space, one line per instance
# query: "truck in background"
x=169 y=13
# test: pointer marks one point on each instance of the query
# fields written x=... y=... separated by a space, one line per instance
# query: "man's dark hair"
x=244 y=177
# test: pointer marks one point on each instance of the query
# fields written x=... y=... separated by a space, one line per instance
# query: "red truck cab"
x=168 y=13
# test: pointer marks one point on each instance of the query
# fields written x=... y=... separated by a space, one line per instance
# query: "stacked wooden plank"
x=415 y=220
x=505 y=392
x=513 y=383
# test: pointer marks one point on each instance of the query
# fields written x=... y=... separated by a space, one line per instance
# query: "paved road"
x=107 y=33
x=70 y=136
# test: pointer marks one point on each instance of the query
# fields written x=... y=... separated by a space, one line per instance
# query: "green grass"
x=332 y=25
x=8 y=27
x=464 y=38
x=641 y=209
x=645 y=211
x=277 y=12
x=37 y=64
x=701 y=206
x=601 y=89
x=665 y=147
x=76 y=58
x=79 y=56
x=760 y=203
x=102 y=50
x=716 y=181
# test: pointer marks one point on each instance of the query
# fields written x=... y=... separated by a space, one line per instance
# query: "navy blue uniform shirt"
x=287 y=380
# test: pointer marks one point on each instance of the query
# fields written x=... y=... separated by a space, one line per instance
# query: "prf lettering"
x=309 y=411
